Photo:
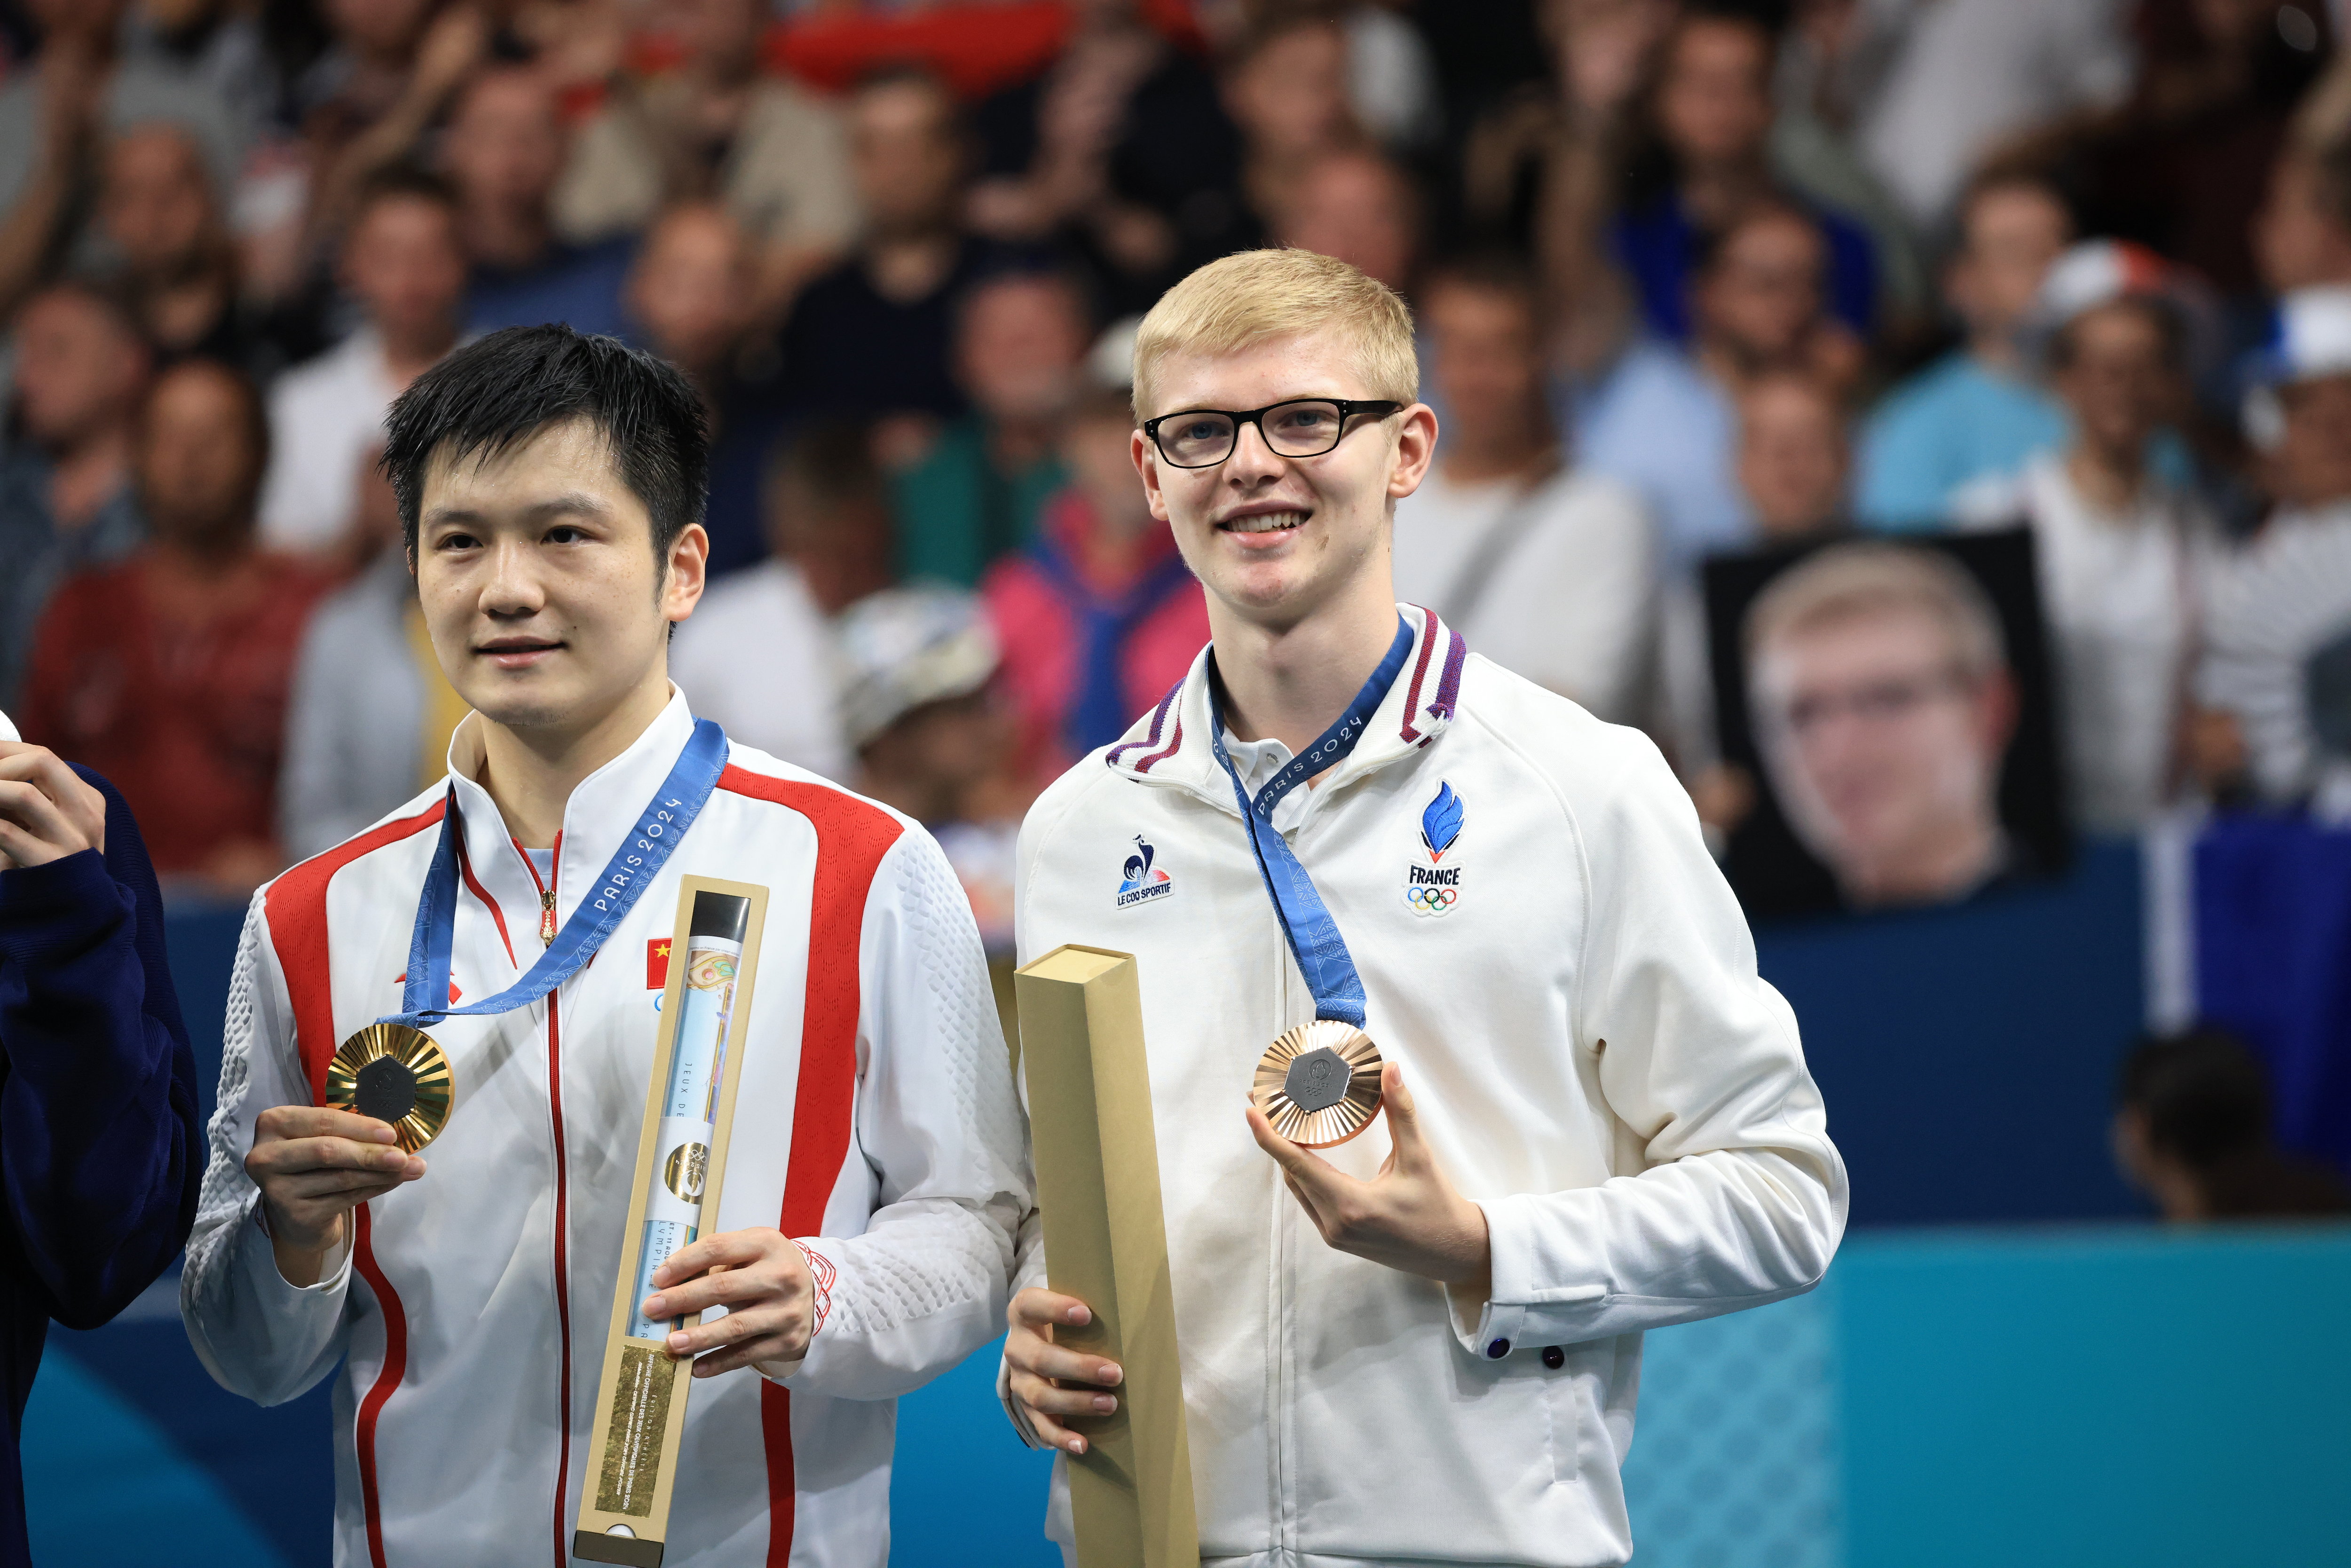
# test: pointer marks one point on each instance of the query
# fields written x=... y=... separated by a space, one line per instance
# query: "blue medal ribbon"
x=1314 y=940
x=630 y=870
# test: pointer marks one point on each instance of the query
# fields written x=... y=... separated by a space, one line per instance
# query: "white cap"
x=2309 y=340
x=2097 y=272
x=1110 y=363
x=904 y=647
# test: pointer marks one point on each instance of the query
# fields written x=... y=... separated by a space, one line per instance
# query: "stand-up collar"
x=1169 y=744
x=602 y=809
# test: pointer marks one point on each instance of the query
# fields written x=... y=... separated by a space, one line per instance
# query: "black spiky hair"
x=500 y=391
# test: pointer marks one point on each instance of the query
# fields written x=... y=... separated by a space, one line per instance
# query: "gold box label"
x=633 y=1441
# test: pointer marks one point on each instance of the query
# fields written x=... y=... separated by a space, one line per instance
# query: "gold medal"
x=396 y=1075
x=1319 y=1083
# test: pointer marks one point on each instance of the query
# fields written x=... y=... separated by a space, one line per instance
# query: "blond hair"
x=1845 y=581
x=1256 y=297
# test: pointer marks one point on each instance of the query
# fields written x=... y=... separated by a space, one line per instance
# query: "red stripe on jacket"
x=395 y=1366
x=852 y=836
x=295 y=909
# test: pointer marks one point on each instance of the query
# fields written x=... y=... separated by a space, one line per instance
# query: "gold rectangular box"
x=1106 y=1243
x=641 y=1398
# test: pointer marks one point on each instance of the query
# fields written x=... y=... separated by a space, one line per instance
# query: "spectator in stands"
x=1099 y=616
x=66 y=495
x=1978 y=411
x=1358 y=206
x=368 y=103
x=692 y=301
x=1883 y=705
x=757 y=655
x=1667 y=426
x=77 y=86
x=977 y=494
x=1931 y=90
x=2286 y=605
x=873 y=336
x=914 y=700
x=2302 y=236
x=718 y=128
x=169 y=671
x=404 y=267
x=1795 y=457
x=2192 y=1130
x=2124 y=557
x=917 y=663
x=104 y=1137
x=1120 y=150
x=1795 y=464
x=1546 y=568
x=370 y=713
x=505 y=150
x=1287 y=90
x=2182 y=165
x=1712 y=121
x=161 y=220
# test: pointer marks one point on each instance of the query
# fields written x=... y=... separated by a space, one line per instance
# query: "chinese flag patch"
x=657 y=962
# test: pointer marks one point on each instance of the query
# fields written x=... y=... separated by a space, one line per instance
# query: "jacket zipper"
x=547 y=890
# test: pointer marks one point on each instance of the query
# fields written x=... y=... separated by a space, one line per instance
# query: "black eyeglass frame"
x=1378 y=407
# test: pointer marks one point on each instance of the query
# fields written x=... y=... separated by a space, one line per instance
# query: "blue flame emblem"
x=1441 y=824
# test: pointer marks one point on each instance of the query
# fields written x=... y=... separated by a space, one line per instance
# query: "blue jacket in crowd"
x=100 y=1147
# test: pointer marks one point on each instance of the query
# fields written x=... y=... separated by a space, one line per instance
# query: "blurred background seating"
x=1703 y=287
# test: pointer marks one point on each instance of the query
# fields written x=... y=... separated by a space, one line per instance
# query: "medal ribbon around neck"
x=392 y=1070
x=1314 y=939
x=632 y=869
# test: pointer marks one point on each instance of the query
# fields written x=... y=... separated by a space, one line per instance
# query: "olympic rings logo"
x=1431 y=900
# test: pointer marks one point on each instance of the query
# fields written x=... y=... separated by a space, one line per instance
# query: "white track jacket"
x=1592 y=1053
x=875 y=1117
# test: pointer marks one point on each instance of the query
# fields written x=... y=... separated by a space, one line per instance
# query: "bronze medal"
x=396 y=1075
x=1319 y=1084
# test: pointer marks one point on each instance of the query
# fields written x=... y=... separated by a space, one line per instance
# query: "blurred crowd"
x=1691 y=278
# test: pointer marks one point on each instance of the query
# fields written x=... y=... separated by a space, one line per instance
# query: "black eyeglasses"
x=1304 y=427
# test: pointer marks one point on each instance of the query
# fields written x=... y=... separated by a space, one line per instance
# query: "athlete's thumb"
x=1404 y=1135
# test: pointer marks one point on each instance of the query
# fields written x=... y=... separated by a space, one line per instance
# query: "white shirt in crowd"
x=2121 y=593
x=757 y=657
x=1555 y=583
x=325 y=415
x=2285 y=598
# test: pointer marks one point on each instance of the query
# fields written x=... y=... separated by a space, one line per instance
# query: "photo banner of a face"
x=1890 y=699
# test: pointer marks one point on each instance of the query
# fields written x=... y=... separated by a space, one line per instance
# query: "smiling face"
x=1275 y=539
x=547 y=603
x=1884 y=751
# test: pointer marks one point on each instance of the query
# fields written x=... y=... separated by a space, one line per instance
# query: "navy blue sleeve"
x=101 y=1151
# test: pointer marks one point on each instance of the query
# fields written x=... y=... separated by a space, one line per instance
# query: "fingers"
x=729 y=1287
x=283 y=1157
x=1314 y=1178
x=732 y=1249
x=1042 y=1359
x=1409 y=1146
x=1041 y=1394
x=780 y=1326
x=281 y=1122
x=38 y=820
x=765 y=1348
x=82 y=805
x=1037 y=1309
x=1052 y=1433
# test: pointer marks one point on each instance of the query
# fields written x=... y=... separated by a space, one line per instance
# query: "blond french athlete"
x=1419 y=1346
